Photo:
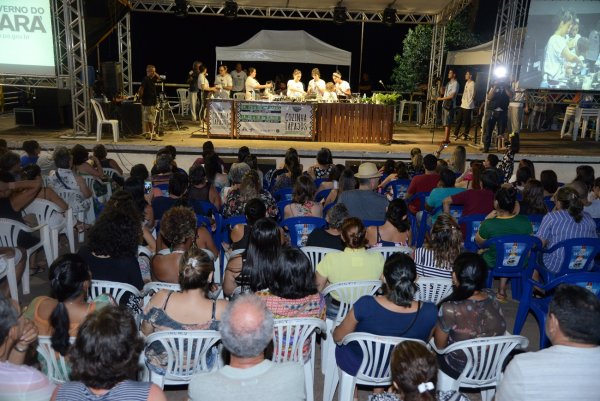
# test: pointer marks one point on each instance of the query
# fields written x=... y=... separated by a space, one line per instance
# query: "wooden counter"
x=355 y=123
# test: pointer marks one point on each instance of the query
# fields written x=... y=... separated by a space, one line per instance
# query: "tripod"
x=160 y=121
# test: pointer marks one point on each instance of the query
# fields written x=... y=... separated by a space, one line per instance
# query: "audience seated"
x=458 y=160
x=522 y=176
x=100 y=153
x=208 y=148
x=549 y=181
x=246 y=330
x=471 y=178
x=333 y=179
x=84 y=165
x=292 y=169
x=249 y=189
x=214 y=173
x=32 y=151
x=414 y=376
x=400 y=173
x=178 y=186
x=135 y=187
x=423 y=183
x=445 y=188
x=533 y=199
x=32 y=172
x=415 y=166
x=240 y=234
x=323 y=167
x=346 y=182
x=236 y=174
x=586 y=175
x=330 y=237
x=469 y=312
x=201 y=189
x=363 y=202
x=441 y=248
x=394 y=314
x=162 y=172
x=593 y=208
x=5 y=254
x=105 y=360
x=303 y=200
x=569 y=369
x=17 y=380
x=396 y=229
x=11 y=163
x=190 y=309
x=567 y=220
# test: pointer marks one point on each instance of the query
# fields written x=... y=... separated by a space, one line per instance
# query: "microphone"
x=381 y=83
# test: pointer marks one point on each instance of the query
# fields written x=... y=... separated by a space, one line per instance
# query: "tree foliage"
x=412 y=66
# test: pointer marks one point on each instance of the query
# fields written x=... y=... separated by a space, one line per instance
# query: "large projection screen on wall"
x=562 y=45
x=26 y=39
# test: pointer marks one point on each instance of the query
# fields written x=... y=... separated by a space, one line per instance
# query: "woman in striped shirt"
x=435 y=259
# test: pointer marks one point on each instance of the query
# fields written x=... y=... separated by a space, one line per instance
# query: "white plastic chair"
x=113 y=288
x=153 y=287
x=186 y=355
x=103 y=120
x=11 y=276
x=316 y=253
x=184 y=101
x=386 y=251
x=9 y=232
x=433 y=289
x=43 y=210
x=70 y=197
x=289 y=338
x=485 y=357
x=89 y=180
x=375 y=366
x=347 y=292
x=58 y=369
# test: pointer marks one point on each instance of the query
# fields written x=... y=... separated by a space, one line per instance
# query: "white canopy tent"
x=478 y=55
x=285 y=47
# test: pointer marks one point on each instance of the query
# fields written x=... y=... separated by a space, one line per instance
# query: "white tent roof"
x=285 y=47
x=478 y=55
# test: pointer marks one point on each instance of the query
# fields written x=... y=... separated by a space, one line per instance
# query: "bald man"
x=246 y=329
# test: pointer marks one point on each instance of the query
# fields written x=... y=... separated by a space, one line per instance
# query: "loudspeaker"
x=131 y=118
x=52 y=108
x=112 y=76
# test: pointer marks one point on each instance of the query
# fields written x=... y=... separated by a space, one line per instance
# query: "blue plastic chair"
x=322 y=195
x=369 y=223
x=283 y=194
x=326 y=208
x=455 y=211
x=513 y=254
x=202 y=207
x=579 y=255
x=225 y=237
x=539 y=306
x=205 y=221
x=549 y=203
x=471 y=224
x=421 y=197
x=536 y=220
x=300 y=227
x=399 y=188
x=597 y=221
x=319 y=181
x=280 y=206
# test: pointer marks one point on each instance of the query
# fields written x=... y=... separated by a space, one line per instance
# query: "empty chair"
x=49 y=213
x=56 y=366
x=184 y=101
x=102 y=120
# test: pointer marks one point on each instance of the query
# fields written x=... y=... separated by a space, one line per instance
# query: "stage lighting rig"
x=339 y=14
x=389 y=16
x=230 y=11
x=180 y=8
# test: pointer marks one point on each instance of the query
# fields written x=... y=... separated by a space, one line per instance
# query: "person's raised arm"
x=25 y=193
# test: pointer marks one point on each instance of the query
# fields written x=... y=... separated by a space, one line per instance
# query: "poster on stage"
x=220 y=116
x=274 y=119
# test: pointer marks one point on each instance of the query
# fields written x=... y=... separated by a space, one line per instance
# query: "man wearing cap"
x=363 y=202
x=423 y=183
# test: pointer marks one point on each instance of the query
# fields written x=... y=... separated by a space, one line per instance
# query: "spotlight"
x=500 y=72
x=230 y=10
x=180 y=8
x=339 y=14
x=389 y=16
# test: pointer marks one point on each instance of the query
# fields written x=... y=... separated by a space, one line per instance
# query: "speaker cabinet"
x=112 y=76
x=131 y=118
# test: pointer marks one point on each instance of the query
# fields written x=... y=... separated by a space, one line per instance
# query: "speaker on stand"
x=112 y=77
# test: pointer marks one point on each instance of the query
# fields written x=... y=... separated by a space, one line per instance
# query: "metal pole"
x=362 y=38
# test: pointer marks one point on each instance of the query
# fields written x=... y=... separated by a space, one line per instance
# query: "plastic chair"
x=471 y=224
x=300 y=227
x=513 y=253
x=374 y=368
x=579 y=255
x=110 y=172
x=153 y=287
x=281 y=206
x=347 y=293
x=386 y=251
x=11 y=276
x=90 y=180
x=327 y=207
x=225 y=237
x=71 y=197
x=294 y=341
x=549 y=203
x=399 y=188
x=9 y=232
x=485 y=357
x=58 y=369
x=321 y=195
x=283 y=194
x=43 y=209
x=433 y=289
x=103 y=120
x=186 y=355
x=597 y=221
x=536 y=220
x=316 y=253
x=184 y=101
x=113 y=288
x=369 y=223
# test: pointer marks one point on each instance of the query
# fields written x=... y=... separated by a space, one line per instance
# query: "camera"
x=162 y=77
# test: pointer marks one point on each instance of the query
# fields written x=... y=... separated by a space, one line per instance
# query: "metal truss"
x=60 y=34
x=77 y=61
x=28 y=81
x=124 y=37
x=435 y=70
x=165 y=6
x=451 y=10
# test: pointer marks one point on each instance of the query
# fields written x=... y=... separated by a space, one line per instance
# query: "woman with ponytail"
x=469 y=312
x=566 y=221
x=394 y=314
x=414 y=376
x=61 y=316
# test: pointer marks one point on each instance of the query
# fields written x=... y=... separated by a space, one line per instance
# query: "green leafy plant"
x=387 y=98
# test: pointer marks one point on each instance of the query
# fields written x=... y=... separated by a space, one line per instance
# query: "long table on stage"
x=326 y=122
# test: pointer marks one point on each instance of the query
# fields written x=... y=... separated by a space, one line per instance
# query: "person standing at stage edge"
x=238 y=77
x=193 y=87
x=147 y=95
x=467 y=105
x=448 y=104
x=498 y=99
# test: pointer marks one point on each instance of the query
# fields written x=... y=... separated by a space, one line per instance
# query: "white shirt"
x=251 y=85
x=239 y=80
x=329 y=97
x=468 y=97
x=317 y=87
x=341 y=88
x=553 y=60
x=452 y=89
x=224 y=81
x=299 y=86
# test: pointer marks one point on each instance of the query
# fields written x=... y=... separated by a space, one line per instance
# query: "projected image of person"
x=557 y=49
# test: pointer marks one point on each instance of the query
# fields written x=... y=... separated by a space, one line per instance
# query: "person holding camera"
x=147 y=95
x=498 y=99
x=448 y=104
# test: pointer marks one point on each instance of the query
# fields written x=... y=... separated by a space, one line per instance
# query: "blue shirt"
x=27 y=160
x=437 y=196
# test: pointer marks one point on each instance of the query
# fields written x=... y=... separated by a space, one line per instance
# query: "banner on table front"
x=220 y=113
x=274 y=119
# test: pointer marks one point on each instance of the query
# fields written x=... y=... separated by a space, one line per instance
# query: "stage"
x=546 y=149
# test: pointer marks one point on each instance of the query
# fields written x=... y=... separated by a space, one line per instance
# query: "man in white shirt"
x=223 y=82
x=570 y=368
x=342 y=88
x=316 y=86
x=238 y=77
x=246 y=330
x=449 y=104
x=466 y=107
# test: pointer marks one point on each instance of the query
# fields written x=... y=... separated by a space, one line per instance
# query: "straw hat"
x=367 y=170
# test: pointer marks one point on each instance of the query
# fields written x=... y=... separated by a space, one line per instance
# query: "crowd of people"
x=163 y=223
